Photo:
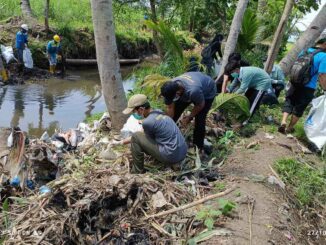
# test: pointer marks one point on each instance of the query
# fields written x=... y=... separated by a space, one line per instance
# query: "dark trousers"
x=255 y=97
x=278 y=89
x=200 y=120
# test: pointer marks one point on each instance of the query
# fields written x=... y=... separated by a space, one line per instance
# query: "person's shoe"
x=289 y=131
x=282 y=128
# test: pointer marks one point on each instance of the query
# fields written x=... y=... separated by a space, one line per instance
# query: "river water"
x=54 y=103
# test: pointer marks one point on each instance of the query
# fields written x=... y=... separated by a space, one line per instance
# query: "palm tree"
x=108 y=61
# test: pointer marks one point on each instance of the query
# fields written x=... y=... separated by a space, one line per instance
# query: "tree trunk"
x=234 y=32
x=26 y=8
x=155 y=35
x=108 y=61
x=46 y=15
x=306 y=40
x=278 y=36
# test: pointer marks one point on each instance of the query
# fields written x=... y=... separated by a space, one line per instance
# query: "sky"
x=307 y=19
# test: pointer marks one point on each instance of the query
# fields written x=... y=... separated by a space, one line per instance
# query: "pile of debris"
x=85 y=199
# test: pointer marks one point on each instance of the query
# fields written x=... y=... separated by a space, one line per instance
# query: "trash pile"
x=59 y=190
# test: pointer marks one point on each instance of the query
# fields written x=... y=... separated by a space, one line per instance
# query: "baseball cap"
x=134 y=101
x=321 y=41
x=168 y=91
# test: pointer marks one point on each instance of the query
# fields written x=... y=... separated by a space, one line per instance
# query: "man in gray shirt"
x=161 y=139
x=180 y=92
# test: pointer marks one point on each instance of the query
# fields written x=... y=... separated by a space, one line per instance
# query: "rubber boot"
x=4 y=75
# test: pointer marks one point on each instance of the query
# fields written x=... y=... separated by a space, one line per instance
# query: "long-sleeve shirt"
x=21 y=40
x=53 y=47
x=277 y=75
x=253 y=78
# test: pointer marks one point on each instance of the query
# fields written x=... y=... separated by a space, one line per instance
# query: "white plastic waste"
x=315 y=124
x=45 y=137
x=130 y=127
x=27 y=57
x=10 y=140
x=7 y=53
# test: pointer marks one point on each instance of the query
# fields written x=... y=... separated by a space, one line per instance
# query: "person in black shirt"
x=209 y=53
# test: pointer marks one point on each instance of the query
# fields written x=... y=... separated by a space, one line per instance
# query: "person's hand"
x=186 y=120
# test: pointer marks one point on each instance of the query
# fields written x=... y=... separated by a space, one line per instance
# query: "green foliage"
x=154 y=83
x=308 y=183
x=94 y=117
x=5 y=214
x=248 y=34
x=234 y=105
x=226 y=139
x=209 y=214
x=219 y=186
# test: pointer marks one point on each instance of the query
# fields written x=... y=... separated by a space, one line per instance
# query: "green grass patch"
x=94 y=117
x=308 y=184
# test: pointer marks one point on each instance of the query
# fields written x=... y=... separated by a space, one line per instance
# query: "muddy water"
x=55 y=103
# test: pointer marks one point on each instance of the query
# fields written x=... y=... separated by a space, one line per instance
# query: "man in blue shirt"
x=53 y=48
x=21 y=42
x=161 y=139
x=298 y=98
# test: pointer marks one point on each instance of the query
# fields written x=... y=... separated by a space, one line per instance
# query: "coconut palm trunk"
x=26 y=8
x=234 y=32
x=108 y=61
x=46 y=15
x=306 y=40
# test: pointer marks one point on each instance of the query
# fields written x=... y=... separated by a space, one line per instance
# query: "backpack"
x=300 y=73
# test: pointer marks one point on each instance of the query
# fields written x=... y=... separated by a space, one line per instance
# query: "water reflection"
x=52 y=104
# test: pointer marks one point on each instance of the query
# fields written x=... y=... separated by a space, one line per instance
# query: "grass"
x=309 y=184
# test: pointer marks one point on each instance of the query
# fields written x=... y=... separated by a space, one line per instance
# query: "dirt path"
x=272 y=219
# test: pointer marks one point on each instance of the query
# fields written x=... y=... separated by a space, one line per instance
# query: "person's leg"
x=179 y=109
x=278 y=89
x=255 y=97
x=20 y=55
x=142 y=144
x=287 y=108
x=304 y=97
x=200 y=124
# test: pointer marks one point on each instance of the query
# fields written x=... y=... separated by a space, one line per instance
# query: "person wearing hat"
x=53 y=49
x=21 y=42
x=298 y=98
x=161 y=138
x=190 y=88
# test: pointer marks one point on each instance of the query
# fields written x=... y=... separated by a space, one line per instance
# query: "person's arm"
x=225 y=83
x=170 y=110
x=235 y=83
x=243 y=87
x=322 y=80
x=197 y=108
x=280 y=77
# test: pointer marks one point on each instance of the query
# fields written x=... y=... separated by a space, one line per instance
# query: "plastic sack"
x=7 y=53
x=315 y=124
x=131 y=126
x=27 y=57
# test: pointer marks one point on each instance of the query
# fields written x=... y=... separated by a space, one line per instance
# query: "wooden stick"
x=103 y=238
x=44 y=235
x=250 y=210
x=192 y=204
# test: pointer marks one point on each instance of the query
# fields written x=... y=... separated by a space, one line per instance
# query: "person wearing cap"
x=161 y=138
x=190 y=88
x=21 y=42
x=53 y=49
x=298 y=98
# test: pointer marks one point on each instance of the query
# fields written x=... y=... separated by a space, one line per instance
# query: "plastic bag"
x=315 y=124
x=7 y=53
x=27 y=57
x=131 y=126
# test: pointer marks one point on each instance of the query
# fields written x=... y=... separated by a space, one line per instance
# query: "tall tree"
x=26 y=8
x=234 y=32
x=46 y=15
x=155 y=35
x=108 y=61
x=307 y=39
x=277 y=39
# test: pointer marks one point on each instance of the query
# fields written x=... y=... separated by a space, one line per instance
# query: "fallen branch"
x=192 y=204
